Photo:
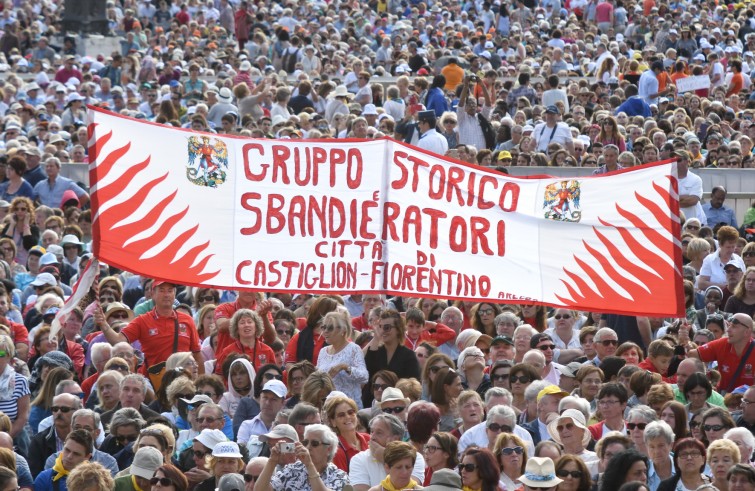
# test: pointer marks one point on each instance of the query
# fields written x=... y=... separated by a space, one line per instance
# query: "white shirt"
x=364 y=469
x=692 y=185
x=434 y=142
x=251 y=427
x=544 y=135
x=550 y=97
x=477 y=435
x=714 y=268
x=648 y=85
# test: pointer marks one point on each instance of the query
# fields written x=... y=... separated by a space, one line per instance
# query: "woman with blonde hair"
x=697 y=250
x=316 y=388
x=341 y=413
x=342 y=359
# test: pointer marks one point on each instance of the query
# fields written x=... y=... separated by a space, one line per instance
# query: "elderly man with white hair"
x=605 y=342
x=500 y=419
x=252 y=473
x=744 y=440
x=309 y=465
x=453 y=318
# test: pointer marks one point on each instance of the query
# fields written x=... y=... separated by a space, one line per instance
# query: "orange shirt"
x=737 y=83
x=454 y=75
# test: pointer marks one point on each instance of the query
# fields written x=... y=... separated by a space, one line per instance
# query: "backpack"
x=487 y=131
x=288 y=62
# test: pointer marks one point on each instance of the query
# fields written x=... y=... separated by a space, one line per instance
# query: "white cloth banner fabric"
x=349 y=216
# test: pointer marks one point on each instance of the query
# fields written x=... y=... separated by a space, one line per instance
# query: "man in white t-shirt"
x=552 y=131
x=690 y=188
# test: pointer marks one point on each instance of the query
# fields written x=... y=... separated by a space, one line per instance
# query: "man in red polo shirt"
x=156 y=329
x=245 y=300
x=729 y=351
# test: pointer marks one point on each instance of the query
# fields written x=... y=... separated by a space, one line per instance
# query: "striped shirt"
x=10 y=407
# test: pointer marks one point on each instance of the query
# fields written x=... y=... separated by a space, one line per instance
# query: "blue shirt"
x=25 y=190
x=52 y=194
x=724 y=214
x=43 y=482
x=654 y=479
x=634 y=106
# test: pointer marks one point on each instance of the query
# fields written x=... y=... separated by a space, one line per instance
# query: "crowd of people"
x=154 y=385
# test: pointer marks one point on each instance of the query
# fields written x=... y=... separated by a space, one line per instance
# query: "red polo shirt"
x=156 y=334
x=260 y=355
x=728 y=361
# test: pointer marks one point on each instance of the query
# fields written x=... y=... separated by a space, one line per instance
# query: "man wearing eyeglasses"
x=253 y=471
x=605 y=343
x=735 y=354
x=747 y=418
x=51 y=441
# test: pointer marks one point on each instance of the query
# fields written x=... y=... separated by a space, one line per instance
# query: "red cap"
x=157 y=283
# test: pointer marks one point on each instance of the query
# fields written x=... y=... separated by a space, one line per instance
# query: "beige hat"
x=540 y=473
x=391 y=394
x=577 y=418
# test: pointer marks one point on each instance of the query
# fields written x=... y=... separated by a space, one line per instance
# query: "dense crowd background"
x=152 y=385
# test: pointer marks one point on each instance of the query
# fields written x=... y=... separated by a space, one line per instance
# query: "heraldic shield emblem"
x=561 y=201
x=208 y=161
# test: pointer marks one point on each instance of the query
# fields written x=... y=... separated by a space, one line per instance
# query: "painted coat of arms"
x=561 y=201
x=208 y=162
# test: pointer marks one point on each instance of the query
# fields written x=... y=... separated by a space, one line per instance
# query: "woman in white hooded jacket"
x=240 y=384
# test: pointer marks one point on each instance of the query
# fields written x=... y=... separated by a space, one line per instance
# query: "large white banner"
x=378 y=216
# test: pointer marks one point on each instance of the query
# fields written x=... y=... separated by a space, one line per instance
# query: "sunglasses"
x=313 y=443
x=199 y=454
x=62 y=409
x=380 y=386
x=712 y=427
x=736 y=322
x=610 y=342
x=206 y=419
x=394 y=410
x=467 y=467
x=125 y=438
x=3 y=353
x=496 y=427
x=164 y=481
x=640 y=426
x=565 y=473
x=271 y=376
x=503 y=376
x=512 y=450
x=284 y=332
x=564 y=316
x=436 y=368
x=119 y=367
x=522 y=379
x=694 y=424
x=386 y=327
x=250 y=478
x=207 y=298
x=547 y=347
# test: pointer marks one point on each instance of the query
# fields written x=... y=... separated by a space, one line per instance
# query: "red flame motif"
x=113 y=241
x=657 y=288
